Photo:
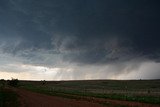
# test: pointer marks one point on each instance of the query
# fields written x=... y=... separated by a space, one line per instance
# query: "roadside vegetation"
x=8 y=98
x=146 y=91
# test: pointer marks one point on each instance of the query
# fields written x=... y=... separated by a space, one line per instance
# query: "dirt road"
x=31 y=99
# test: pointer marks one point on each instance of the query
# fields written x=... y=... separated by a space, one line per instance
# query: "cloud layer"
x=87 y=39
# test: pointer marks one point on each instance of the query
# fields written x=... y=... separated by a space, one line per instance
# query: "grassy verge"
x=8 y=98
x=76 y=94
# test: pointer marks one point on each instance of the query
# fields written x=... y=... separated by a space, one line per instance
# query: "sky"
x=79 y=39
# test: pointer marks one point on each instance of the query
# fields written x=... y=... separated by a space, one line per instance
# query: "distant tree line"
x=13 y=82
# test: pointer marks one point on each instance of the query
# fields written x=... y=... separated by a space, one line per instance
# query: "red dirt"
x=31 y=99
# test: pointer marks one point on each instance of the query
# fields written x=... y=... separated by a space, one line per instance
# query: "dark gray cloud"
x=87 y=32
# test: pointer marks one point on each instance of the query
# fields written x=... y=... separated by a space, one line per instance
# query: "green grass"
x=8 y=98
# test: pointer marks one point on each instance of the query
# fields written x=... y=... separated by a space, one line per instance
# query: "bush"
x=13 y=82
x=2 y=83
x=44 y=82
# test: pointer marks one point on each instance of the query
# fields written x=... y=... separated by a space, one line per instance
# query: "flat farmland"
x=104 y=92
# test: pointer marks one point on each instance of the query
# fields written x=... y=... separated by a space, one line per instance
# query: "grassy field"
x=147 y=91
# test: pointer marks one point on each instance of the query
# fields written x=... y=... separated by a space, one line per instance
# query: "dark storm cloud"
x=86 y=31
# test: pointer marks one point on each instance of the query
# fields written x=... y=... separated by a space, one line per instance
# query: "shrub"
x=13 y=82
x=44 y=82
x=2 y=83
